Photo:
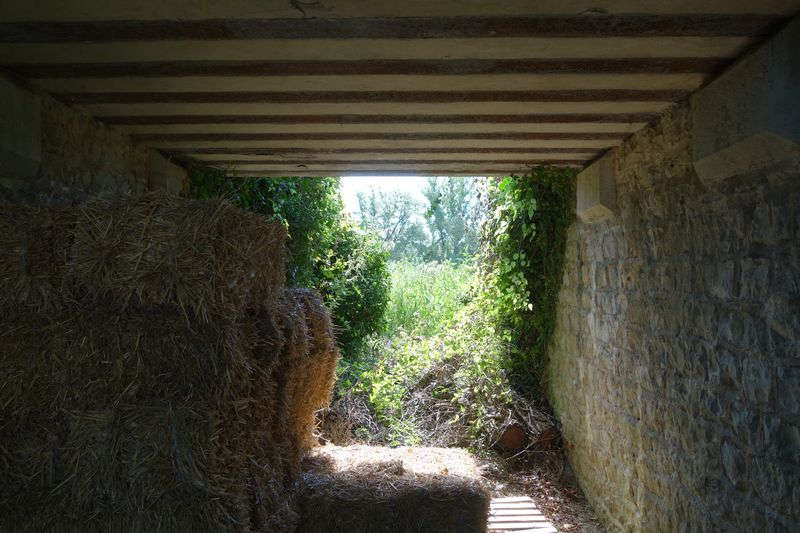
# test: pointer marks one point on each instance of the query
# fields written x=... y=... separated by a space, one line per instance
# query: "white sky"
x=352 y=185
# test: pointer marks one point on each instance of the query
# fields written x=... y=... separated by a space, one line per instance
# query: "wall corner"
x=597 y=191
x=749 y=117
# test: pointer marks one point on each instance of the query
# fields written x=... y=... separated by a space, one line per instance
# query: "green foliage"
x=476 y=336
x=524 y=259
x=435 y=327
x=453 y=217
x=351 y=272
x=426 y=296
x=388 y=384
x=393 y=215
x=326 y=252
x=472 y=391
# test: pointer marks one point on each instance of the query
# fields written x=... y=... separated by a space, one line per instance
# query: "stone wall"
x=675 y=368
x=69 y=155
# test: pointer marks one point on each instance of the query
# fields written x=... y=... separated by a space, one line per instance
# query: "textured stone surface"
x=675 y=368
x=80 y=156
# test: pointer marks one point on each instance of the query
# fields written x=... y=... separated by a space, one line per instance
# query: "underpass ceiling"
x=307 y=87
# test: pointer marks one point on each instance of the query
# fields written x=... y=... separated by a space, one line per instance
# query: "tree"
x=393 y=215
x=453 y=218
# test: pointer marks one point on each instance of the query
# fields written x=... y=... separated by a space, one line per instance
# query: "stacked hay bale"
x=362 y=489
x=154 y=371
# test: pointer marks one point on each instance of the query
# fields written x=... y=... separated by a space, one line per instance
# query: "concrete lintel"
x=597 y=191
x=749 y=117
x=20 y=131
x=166 y=175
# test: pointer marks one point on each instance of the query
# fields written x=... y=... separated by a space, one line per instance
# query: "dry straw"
x=35 y=248
x=383 y=496
x=124 y=419
x=122 y=410
x=207 y=256
x=146 y=420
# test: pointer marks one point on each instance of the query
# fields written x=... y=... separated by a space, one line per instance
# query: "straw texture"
x=155 y=375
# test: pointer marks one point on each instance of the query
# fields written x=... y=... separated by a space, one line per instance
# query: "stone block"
x=20 y=131
x=596 y=190
x=749 y=118
x=166 y=175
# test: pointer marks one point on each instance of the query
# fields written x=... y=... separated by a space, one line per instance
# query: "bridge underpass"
x=674 y=368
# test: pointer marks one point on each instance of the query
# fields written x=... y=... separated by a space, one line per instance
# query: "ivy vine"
x=525 y=240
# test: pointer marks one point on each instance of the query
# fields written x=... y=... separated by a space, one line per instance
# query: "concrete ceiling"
x=328 y=87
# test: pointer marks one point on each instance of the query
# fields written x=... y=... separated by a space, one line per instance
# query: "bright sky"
x=352 y=185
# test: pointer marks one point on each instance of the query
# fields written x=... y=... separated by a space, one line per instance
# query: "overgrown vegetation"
x=426 y=296
x=327 y=251
x=523 y=257
x=453 y=354
x=466 y=345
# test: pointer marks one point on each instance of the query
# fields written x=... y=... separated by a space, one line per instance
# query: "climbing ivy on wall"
x=524 y=245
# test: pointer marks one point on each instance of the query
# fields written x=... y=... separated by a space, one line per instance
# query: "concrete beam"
x=384 y=82
x=83 y=10
x=597 y=191
x=165 y=175
x=749 y=117
x=20 y=132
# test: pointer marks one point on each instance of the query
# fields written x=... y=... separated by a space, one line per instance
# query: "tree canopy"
x=443 y=227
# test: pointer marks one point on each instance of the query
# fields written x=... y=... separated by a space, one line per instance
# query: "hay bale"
x=310 y=381
x=416 y=459
x=384 y=496
x=203 y=255
x=138 y=421
x=297 y=327
x=207 y=256
x=35 y=247
x=142 y=420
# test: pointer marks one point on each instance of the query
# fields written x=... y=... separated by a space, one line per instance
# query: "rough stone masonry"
x=56 y=154
x=675 y=368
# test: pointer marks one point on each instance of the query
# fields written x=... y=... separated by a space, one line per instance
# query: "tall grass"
x=425 y=296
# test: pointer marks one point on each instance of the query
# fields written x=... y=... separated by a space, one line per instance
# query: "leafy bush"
x=326 y=251
x=449 y=389
x=352 y=273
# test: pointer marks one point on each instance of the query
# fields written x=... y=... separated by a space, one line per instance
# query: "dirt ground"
x=549 y=481
x=553 y=488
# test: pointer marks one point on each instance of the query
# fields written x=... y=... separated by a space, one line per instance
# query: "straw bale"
x=297 y=327
x=385 y=496
x=203 y=255
x=310 y=382
x=139 y=422
x=417 y=459
x=35 y=245
x=206 y=256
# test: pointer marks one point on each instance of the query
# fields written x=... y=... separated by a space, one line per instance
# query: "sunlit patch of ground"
x=553 y=489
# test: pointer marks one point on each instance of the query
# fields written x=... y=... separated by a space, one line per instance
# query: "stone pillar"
x=597 y=191
x=749 y=118
x=20 y=132
x=166 y=175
